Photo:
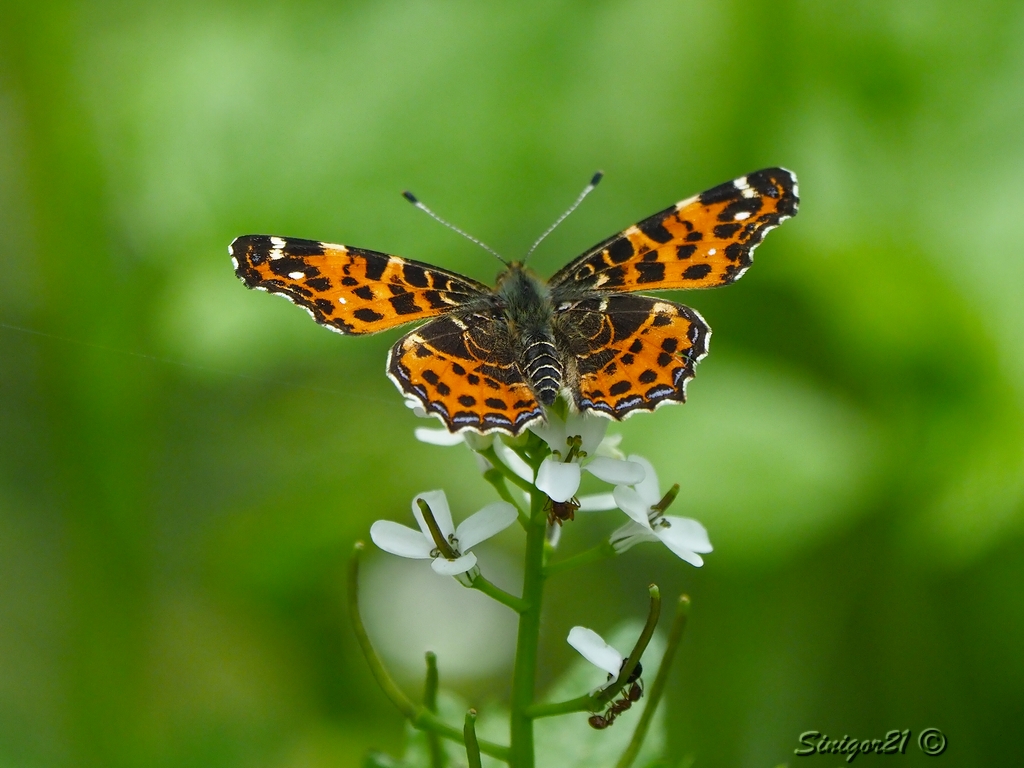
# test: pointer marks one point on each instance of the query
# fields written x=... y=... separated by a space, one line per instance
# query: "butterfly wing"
x=350 y=290
x=701 y=242
x=631 y=353
x=464 y=368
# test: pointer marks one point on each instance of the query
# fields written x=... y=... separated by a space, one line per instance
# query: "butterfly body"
x=491 y=359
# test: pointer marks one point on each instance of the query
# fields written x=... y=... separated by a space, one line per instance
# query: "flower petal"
x=400 y=540
x=597 y=502
x=629 y=501
x=476 y=441
x=482 y=525
x=648 y=488
x=609 y=446
x=595 y=650
x=591 y=430
x=551 y=431
x=453 y=567
x=558 y=480
x=437 y=436
x=513 y=461
x=438 y=504
x=629 y=535
x=553 y=534
x=416 y=407
x=615 y=471
x=685 y=537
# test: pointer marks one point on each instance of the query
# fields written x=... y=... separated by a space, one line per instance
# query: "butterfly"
x=491 y=359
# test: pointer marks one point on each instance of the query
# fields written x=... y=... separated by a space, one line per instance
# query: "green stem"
x=421 y=718
x=497 y=481
x=592 y=555
x=472 y=747
x=430 y=702
x=655 y=692
x=508 y=474
x=499 y=594
x=524 y=672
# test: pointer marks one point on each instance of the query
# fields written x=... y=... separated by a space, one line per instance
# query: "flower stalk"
x=657 y=689
x=420 y=717
x=546 y=465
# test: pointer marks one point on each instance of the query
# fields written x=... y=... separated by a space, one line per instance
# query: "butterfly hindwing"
x=631 y=353
x=464 y=368
x=350 y=290
x=702 y=242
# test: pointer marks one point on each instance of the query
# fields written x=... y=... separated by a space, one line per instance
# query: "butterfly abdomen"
x=542 y=370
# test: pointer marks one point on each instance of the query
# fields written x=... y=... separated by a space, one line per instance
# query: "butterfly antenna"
x=412 y=199
x=586 y=191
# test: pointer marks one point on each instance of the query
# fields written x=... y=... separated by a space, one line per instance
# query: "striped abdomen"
x=542 y=370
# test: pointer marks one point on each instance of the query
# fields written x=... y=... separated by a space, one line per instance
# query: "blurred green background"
x=185 y=464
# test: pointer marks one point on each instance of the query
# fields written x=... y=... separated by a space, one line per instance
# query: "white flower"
x=594 y=649
x=408 y=542
x=684 y=536
x=559 y=475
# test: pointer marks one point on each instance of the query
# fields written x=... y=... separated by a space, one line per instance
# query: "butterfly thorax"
x=528 y=311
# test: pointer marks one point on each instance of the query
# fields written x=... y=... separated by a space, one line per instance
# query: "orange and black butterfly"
x=493 y=358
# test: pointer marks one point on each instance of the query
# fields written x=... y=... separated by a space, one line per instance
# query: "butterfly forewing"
x=701 y=242
x=631 y=353
x=350 y=290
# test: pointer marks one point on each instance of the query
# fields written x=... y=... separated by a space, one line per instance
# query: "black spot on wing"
x=404 y=304
x=364 y=292
x=655 y=229
x=375 y=263
x=367 y=315
x=696 y=271
x=620 y=251
x=650 y=272
x=737 y=252
x=319 y=283
x=415 y=275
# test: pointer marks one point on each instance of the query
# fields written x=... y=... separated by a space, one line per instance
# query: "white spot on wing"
x=712 y=252
x=742 y=215
x=234 y=261
x=276 y=253
x=296 y=275
x=342 y=300
x=741 y=183
x=277 y=242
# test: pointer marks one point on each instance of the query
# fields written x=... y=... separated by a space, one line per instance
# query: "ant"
x=631 y=694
